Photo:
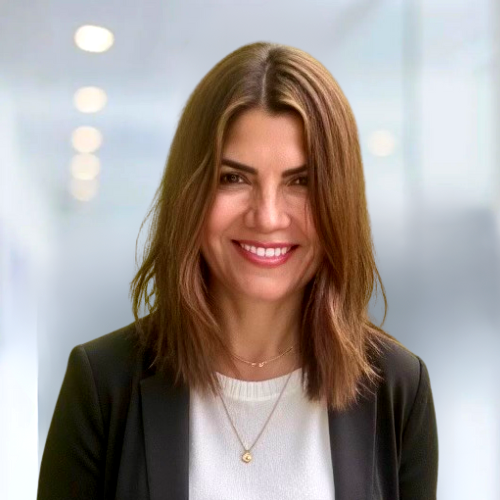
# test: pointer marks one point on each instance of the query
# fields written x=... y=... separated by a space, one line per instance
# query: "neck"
x=256 y=332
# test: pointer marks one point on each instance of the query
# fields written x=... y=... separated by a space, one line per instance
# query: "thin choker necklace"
x=262 y=363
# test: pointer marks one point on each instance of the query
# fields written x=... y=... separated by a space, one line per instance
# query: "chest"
x=289 y=444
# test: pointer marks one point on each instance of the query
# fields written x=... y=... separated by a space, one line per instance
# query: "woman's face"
x=261 y=205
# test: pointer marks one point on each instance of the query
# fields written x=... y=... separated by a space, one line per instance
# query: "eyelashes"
x=232 y=178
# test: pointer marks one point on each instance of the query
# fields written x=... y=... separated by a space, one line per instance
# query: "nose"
x=268 y=211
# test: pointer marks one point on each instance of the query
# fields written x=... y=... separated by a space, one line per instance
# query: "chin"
x=265 y=295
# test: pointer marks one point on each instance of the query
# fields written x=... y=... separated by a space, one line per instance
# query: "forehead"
x=255 y=133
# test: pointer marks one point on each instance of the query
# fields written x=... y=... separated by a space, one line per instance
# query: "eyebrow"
x=245 y=168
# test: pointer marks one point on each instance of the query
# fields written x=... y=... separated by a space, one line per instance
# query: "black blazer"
x=121 y=431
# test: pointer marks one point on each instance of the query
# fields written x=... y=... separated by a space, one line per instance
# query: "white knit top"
x=291 y=459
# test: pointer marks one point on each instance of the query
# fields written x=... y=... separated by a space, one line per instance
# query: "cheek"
x=219 y=219
x=226 y=210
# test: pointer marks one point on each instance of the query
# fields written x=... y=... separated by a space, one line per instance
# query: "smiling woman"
x=256 y=371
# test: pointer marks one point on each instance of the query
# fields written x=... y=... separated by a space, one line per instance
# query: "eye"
x=230 y=178
x=303 y=181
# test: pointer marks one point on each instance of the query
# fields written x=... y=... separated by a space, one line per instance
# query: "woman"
x=256 y=372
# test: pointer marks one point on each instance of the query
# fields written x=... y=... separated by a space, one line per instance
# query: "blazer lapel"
x=352 y=443
x=165 y=414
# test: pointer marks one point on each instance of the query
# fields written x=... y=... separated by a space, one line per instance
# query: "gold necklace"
x=263 y=363
x=247 y=456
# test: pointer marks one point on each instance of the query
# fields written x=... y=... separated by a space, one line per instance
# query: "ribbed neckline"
x=245 y=390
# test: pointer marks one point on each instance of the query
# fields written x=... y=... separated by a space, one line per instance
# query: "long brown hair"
x=338 y=342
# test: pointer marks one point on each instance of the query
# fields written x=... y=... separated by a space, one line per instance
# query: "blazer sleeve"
x=418 y=472
x=72 y=461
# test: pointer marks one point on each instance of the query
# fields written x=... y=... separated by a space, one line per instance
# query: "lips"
x=263 y=261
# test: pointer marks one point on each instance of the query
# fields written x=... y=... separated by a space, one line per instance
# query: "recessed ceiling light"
x=83 y=190
x=86 y=139
x=381 y=143
x=85 y=166
x=90 y=99
x=93 y=38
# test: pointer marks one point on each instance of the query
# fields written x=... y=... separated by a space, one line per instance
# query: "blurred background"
x=85 y=132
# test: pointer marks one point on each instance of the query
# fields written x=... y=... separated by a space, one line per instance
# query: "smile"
x=265 y=257
x=265 y=252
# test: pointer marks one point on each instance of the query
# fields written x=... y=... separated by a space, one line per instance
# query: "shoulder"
x=405 y=378
x=119 y=345
x=115 y=359
x=403 y=371
x=398 y=363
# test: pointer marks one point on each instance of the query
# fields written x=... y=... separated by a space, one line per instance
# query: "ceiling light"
x=85 y=167
x=86 y=139
x=90 y=99
x=84 y=190
x=93 y=38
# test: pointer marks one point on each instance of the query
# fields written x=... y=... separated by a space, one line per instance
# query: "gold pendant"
x=246 y=457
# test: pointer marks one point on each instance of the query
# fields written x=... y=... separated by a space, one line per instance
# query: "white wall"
x=24 y=259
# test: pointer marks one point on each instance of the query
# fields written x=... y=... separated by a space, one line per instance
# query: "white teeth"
x=266 y=252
